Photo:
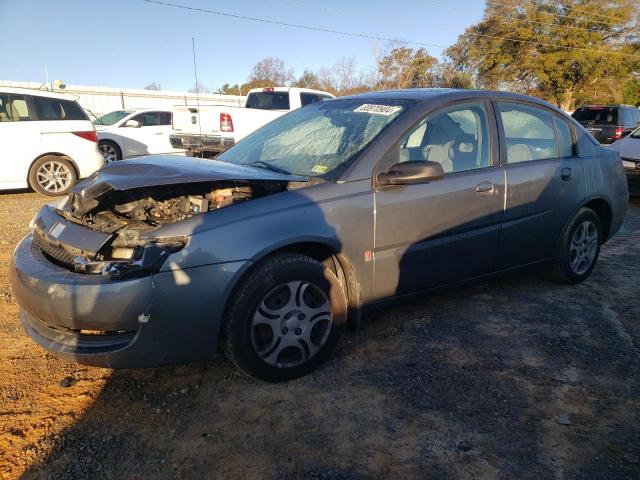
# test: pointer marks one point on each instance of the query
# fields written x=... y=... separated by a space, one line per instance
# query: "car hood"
x=628 y=147
x=162 y=170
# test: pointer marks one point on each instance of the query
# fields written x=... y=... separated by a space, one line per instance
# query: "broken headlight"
x=129 y=261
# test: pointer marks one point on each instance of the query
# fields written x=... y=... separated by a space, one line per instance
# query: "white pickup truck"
x=211 y=129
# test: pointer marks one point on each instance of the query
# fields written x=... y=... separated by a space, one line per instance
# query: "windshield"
x=318 y=138
x=635 y=133
x=111 y=118
x=596 y=115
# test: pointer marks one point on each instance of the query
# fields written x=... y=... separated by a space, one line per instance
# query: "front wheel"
x=579 y=248
x=285 y=318
x=110 y=150
x=52 y=176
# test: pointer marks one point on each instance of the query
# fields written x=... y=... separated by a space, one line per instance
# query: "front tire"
x=110 y=150
x=579 y=248
x=52 y=176
x=285 y=318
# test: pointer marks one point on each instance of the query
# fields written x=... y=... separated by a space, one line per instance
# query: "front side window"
x=58 y=109
x=317 y=139
x=457 y=138
x=149 y=119
x=14 y=108
x=165 y=118
x=529 y=132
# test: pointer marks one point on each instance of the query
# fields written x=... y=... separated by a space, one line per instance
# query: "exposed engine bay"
x=146 y=209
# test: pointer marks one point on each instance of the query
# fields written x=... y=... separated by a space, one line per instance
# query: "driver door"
x=447 y=230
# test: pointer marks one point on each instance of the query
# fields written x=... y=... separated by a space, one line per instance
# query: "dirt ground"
x=517 y=378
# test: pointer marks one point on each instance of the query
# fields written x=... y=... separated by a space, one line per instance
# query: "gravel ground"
x=517 y=378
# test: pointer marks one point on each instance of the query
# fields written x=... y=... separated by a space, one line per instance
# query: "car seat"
x=464 y=152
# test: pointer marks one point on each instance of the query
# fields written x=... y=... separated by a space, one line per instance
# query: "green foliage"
x=554 y=49
x=632 y=92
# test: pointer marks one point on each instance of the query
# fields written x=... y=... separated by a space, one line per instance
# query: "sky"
x=131 y=43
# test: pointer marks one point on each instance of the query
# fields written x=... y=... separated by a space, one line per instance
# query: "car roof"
x=447 y=94
x=39 y=93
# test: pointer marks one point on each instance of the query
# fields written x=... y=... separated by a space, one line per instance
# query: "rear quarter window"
x=57 y=109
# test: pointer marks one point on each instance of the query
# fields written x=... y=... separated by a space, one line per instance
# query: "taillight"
x=268 y=90
x=226 y=124
x=618 y=133
x=91 y=136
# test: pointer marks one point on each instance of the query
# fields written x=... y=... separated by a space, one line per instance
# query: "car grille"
x=58 y=254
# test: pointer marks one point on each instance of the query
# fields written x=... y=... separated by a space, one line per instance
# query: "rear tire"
x=285 y=318
x=110 y=150
x=579 y=248
x=52 y=176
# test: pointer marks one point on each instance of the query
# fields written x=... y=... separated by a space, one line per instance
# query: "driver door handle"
x=485 y=187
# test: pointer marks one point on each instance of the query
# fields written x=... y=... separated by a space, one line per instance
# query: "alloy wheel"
x=584 y=247
x=291 y=324
x=108 y=152
x=54 y=177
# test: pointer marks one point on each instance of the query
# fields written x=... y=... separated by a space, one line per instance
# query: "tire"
x=285 y=318
x=52 y=176
x=579 y=248
x=110 y=150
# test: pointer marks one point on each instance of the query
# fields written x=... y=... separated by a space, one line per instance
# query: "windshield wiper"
x=269 y=166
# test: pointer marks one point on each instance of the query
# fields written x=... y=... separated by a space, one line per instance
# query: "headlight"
x=130 y=261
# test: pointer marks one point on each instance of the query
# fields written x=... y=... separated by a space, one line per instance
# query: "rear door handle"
x=566 y=173
x=485 y=187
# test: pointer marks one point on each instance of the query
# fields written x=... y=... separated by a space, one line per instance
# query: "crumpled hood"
x=159 y=170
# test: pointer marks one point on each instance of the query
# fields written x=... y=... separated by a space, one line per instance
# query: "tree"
x=199 y=87
x=270 y=72
x=554 y=49
x=405 y=67
x=153 y=86
x=631 y=92
x=236 y=89
x=308 y=79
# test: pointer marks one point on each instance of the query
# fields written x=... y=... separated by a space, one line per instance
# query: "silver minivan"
x=272 y=249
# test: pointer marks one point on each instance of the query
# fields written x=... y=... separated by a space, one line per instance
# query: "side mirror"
x=415 y=171
x=132 y=123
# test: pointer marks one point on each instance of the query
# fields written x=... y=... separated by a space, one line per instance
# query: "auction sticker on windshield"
x=385 y=110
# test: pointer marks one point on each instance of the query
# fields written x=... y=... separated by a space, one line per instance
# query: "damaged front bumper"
x=167 y=317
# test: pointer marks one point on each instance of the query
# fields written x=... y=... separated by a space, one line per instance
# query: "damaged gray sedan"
x=271 y=250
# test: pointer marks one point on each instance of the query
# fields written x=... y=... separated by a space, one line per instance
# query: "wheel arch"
x=326 y=254
x=605 y=213
x=53 y=154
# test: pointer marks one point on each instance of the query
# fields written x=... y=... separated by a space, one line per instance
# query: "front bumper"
x=203 y=143
x=169 y=317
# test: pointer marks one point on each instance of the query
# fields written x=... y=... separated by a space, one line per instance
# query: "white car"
x=134 y=132
x=211 y=129
x=47 y=141
x=629 y=150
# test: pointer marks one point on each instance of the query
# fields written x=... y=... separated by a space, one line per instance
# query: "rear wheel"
x=110 y=150
x=52 y=175
x=579 y=248
x=285 y=318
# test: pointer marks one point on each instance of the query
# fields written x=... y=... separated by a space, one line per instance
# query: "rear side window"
x=267 y=100
x=529 y=132
x=57 y=109
x=597 y=115
x=565 y=139
x=15 y=108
